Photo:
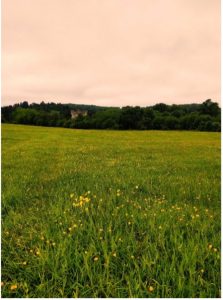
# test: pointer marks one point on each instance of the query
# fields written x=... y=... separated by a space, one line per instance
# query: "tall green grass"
x=110 y=213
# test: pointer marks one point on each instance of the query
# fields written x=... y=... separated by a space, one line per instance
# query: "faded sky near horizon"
x=110 y=52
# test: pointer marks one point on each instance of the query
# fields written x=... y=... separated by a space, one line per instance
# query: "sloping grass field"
x=110 y=213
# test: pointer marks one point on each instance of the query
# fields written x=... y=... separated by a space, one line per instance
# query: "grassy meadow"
x=89 y=213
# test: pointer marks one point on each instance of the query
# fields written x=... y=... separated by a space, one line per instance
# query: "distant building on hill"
x=78 y=112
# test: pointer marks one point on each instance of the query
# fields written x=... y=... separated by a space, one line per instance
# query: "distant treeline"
x=203 y=117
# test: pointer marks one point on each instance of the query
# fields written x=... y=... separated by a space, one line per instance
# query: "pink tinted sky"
x=110 y=52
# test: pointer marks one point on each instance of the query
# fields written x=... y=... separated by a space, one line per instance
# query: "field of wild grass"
x=110 y=213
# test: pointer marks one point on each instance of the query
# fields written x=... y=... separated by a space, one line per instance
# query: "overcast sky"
x=110 y=52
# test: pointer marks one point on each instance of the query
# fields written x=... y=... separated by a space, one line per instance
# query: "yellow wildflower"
x=96 y=258
x=150 y=288
x=13 y=287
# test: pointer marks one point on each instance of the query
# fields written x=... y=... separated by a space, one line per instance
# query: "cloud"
x=119 y=52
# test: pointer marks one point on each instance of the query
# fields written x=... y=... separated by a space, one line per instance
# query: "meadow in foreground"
x=110 y=213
